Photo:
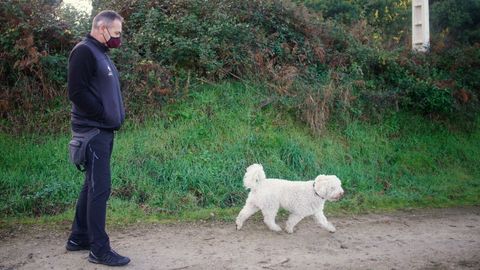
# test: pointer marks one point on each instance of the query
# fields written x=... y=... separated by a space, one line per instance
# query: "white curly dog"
x=300 y=198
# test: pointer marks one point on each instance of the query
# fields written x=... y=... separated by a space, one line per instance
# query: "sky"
x=81 y=5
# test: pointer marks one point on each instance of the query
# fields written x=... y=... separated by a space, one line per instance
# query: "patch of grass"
x=188 y=162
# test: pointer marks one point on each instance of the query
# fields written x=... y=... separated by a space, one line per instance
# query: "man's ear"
x=101 y=27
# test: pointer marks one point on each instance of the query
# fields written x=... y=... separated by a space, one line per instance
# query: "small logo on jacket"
x=110 y=73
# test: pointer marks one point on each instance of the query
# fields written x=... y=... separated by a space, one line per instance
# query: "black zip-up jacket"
x=94 y=87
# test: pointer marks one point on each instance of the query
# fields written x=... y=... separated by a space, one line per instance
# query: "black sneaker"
x=74 y=246
x=111 y=258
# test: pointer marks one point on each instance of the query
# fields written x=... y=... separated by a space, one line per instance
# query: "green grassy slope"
x=191 y=158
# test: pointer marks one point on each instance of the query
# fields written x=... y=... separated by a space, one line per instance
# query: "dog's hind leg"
x=322 y=220
x=293 y=219
x=269 y=219
x=247 y=211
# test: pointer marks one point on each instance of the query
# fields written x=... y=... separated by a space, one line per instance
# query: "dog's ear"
x=321 y=186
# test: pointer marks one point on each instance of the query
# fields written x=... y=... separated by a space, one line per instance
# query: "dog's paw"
x=330 y=228
x=276 y=228
x=289 y=230
x=238 y=226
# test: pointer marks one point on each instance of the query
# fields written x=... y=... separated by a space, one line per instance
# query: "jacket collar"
x=97 y=43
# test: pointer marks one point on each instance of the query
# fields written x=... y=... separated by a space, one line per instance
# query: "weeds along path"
x=419 y=239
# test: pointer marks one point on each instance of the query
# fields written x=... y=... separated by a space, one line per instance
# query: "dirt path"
x=421 y=239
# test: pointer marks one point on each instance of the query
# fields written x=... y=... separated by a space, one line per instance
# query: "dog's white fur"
x=300 y=198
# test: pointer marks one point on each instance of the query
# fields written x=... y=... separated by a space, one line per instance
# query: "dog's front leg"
x=269 y=219
x=247 y=211
x=293 y=219
x=322 y=220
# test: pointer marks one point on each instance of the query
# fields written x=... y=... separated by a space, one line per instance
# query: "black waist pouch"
x=77 y=147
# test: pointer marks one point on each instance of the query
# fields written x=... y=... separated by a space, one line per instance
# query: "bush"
x=454 y=22
x=35 y=41
x=337 y=61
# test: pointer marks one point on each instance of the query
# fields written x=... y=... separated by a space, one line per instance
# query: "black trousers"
x=90 y=214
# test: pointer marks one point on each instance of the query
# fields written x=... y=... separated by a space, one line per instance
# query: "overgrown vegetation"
x=195 y=155
x=318 y=87
x=336 y=58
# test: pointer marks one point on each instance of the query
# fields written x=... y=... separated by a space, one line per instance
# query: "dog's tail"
x=253 y=176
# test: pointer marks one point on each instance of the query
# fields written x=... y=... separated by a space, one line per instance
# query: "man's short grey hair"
x=107 y=17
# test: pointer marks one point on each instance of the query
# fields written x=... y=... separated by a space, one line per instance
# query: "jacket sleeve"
x=81 y=69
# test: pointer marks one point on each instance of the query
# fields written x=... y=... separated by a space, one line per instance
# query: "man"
x=94 y=90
